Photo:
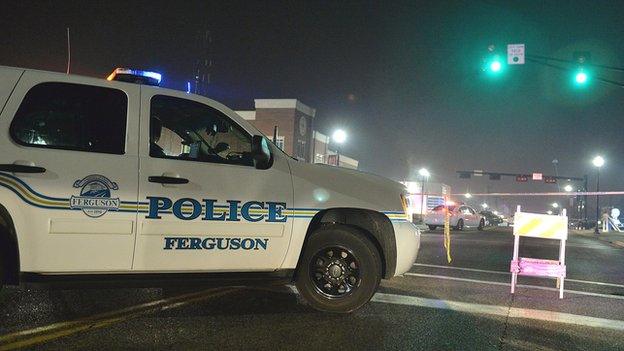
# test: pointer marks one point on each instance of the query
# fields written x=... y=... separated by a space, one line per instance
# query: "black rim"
x=335 y=272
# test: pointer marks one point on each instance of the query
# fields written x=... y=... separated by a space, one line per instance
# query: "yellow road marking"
x=58 y=330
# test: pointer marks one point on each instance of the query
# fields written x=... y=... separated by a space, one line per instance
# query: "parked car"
x=461 y=216
x=491 y=218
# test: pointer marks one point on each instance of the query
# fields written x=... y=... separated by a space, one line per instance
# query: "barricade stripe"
x=525 y=229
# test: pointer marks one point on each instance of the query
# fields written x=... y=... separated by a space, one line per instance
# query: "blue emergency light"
x=135 y=76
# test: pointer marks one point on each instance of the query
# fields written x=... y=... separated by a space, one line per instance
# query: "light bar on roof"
x=135 y=76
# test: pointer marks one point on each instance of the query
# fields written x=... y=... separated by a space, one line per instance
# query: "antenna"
x=68 y=52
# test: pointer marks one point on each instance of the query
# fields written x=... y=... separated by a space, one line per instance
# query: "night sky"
x=403 y=78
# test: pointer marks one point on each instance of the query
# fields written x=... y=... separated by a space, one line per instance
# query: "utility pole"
x=203 y=64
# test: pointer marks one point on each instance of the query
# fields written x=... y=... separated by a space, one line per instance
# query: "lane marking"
x=502 y=311
x=466 y=280
x=510 y=243
x=507 y=273
x=54 y=331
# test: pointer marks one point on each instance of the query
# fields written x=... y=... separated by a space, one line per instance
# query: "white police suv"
x=106 y=181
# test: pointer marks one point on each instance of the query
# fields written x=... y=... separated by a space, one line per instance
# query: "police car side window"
x=72 y=117
x=188 y=130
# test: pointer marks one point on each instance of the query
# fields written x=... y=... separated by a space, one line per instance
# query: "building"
x=295 y=131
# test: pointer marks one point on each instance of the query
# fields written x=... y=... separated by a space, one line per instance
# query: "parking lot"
x=462 y=305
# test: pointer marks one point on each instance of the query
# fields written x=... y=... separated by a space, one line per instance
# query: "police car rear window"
x=72 y=117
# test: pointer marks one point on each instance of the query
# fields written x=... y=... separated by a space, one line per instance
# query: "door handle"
x=167 y=180
x=15 y=168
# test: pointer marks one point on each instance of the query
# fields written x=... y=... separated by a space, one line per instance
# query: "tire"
x=460 y=225
x=432 y=227
x=1 y=271
x=340 y=269
x=481 y=224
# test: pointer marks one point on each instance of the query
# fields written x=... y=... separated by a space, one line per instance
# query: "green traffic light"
x=495 y=66
x=581 y=77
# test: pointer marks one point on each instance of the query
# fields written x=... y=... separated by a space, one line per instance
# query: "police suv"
x=110 y=181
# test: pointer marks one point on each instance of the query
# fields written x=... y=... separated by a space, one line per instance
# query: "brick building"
x=296 y=134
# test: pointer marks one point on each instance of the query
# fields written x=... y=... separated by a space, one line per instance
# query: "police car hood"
x=321 y=186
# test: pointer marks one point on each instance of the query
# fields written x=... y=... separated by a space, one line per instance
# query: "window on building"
x=188 y=130
x=279 y=142
x=72 y=117
x=301 y=150
x=319 y=158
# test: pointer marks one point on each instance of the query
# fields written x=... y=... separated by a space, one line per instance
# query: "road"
x=464 y=305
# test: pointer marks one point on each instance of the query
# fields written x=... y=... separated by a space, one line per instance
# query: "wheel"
x=432 y=227
x=340 y=269
x=481 y=224
x=460 y=225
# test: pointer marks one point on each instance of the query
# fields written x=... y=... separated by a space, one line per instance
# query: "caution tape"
x=578 y=193
x=586 y=193
x=447 y=232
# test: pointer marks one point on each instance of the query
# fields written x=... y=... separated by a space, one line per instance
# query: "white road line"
x=510 y=243
x=507 y=273
x=466 y=280
x=514 y=312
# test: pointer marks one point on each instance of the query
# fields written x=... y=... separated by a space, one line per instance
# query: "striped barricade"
x=539 y=226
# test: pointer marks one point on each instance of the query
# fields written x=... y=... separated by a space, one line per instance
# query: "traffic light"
x=493 y=64
x=580 y=77
x=581 y=74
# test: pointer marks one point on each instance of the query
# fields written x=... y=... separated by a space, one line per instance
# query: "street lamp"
x=555 y=205
x=424 y=174
x=484 y=205
x=339 y=137
x=598 y=162
x=568 y=188
x=468 y=195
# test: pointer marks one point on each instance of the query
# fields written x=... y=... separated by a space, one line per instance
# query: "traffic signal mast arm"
x=516 y=175
x=538 y=58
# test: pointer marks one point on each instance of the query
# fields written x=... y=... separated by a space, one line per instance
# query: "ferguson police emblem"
x=95 y=196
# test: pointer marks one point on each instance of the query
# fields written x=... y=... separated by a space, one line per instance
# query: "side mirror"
x=260 y=152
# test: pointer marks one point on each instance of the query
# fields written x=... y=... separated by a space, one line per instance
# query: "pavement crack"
x=501 y=340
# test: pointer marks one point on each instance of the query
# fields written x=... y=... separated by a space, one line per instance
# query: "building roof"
x=247 y=115
x=285 y=103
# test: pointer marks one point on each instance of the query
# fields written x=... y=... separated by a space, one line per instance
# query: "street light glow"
x=555 y=205
x=598 y=161
x=549 y=212
x=339 y=136
x=484 y=205
x=468 y=195
x=568 y=188
x=424 y=172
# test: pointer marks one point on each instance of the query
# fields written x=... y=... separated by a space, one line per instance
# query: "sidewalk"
x=614 y=238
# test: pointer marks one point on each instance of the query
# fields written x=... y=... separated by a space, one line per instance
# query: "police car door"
x=204 y=206
x=69 y=172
